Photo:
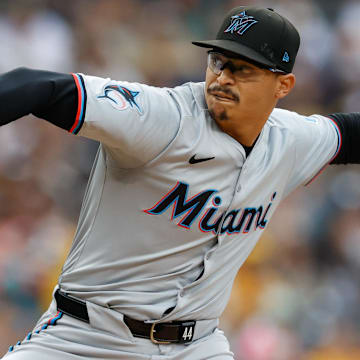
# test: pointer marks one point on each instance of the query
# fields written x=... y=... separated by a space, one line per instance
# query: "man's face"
x=241 y=93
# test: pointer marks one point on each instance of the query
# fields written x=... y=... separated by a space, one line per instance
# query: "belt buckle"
x=153 y=340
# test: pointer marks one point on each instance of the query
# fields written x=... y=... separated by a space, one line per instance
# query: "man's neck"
x=246 y=136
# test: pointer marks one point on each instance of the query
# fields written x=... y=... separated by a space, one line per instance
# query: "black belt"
x=159 y=333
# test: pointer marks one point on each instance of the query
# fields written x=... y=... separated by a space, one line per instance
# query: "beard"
x=219 y=116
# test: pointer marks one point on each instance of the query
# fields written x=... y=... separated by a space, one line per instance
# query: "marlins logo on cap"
x=240 y=23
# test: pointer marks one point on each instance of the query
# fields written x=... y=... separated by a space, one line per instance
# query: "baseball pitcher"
x=184 y=183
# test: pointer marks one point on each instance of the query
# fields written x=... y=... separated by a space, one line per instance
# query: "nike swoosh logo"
x=195 y=161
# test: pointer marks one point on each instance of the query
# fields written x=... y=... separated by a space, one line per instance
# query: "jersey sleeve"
x=317 y=142
x=136 y=121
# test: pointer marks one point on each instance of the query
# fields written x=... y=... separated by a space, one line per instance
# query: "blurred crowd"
x=298 y=295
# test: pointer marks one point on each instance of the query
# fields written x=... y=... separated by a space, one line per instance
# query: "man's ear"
x=285 y=85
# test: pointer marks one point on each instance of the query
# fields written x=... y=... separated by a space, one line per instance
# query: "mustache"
x=216 y=88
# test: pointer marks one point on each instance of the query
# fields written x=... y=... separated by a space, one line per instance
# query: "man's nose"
x=226 y=77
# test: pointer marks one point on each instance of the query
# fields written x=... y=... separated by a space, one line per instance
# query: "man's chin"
x=219 y=115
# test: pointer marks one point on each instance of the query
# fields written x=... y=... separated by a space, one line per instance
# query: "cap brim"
x=236 y=48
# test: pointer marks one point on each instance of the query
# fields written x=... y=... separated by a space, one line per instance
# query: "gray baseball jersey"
x=174 y=207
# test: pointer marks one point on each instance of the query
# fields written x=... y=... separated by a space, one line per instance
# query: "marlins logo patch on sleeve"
x=120 y=97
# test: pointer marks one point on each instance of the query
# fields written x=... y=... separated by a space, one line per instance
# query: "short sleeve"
x=317 y=142
x=135 y=121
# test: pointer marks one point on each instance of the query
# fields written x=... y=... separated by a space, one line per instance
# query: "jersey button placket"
x=238 y=185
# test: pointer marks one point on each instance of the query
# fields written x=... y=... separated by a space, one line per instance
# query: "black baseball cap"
x=260 y=35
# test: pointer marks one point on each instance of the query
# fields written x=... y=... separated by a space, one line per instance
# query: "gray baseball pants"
x=57 y=337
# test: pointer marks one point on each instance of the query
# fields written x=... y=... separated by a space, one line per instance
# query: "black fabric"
x=248 y=149
x=71 y=306
x=349 y=125
x=48 y=95
x=261 y=35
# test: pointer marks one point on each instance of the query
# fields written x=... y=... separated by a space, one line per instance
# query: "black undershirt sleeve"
x=48 y=95
x=349 y=126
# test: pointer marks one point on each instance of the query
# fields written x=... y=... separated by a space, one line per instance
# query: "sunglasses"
x=217 y=62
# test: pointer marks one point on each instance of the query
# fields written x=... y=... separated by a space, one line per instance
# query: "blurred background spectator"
x=298 y=295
